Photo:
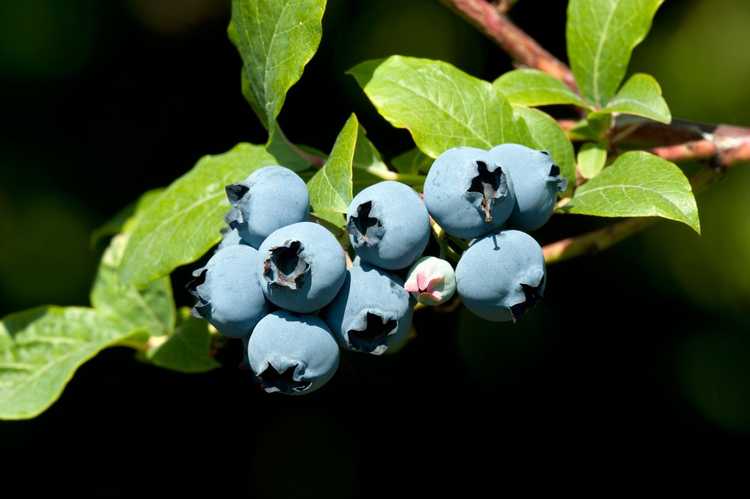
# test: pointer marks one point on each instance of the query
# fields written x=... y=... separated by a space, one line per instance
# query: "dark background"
x=638 y=360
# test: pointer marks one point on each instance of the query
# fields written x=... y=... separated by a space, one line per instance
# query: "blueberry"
x=372 y=312
x=292 y=354
x=388 y=225
x=270 y=198
x=536 y=182
x=501 y=275
x=431 y=281
x=229 y=294
x=301 y=267
x=231 y=237
x=467 y=193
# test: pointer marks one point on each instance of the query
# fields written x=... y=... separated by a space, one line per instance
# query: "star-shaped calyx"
x=283 y=381
x=491 y=185
x=372 y=339
x=365 y=228
x=286 y=266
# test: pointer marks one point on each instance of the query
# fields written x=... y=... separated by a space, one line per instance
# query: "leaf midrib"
x=630 y=186
x=599 y=48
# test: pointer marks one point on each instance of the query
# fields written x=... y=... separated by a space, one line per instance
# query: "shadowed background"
x=644 y=348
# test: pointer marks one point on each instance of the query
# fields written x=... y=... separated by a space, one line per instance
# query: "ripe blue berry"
x=292 y=354
x=501 y=275
x=372 y=312
x=301 y=267
x=467 y=193
x=229 y=294
x=270 y=198
x=230 y=237
x=536 y=182
x=388 y=225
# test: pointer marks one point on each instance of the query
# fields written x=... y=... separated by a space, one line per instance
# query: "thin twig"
x=598 y=240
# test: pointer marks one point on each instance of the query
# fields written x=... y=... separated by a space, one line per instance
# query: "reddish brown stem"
x=488 y=18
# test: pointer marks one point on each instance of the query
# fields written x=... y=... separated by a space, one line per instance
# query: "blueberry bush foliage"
x=442 y=107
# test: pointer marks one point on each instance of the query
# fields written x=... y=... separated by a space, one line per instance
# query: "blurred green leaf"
x=638 y=184
x=276 y=39
x=640 y=96
x=331 y=188
x=184 y=222
x=548 y=135
x=601 y=36
x=412 y=162
x=440 y=105
x=591 y=159
x=40 y=350
x=188 y=350
x=714 y=376
x=531 y=87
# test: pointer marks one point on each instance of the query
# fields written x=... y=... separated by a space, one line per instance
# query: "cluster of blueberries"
x=282 y=283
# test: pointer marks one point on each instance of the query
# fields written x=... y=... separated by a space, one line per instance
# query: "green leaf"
x=548 y=135
x=276 y=39
x=412 y=162
x=593 y=128
x=531 y=87
x=367 y=157
x=638 y=184
x=188 y=350
x=247 y=91
x=591 y=159
x=440 y=105
x=40 y=350
x=150 y=309
x=331 y=188
x=641 y=96
x=601 y=36
x=184 y=222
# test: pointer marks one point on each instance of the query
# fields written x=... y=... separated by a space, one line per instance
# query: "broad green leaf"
x=117 y=222
x=601 y=36
x=640 y=96
x=531 y=87
x=638 y=184
x=276 y=39
x=412 y=162
x=331 y=188
x=40 y=350
x=593 y=128
x=591 y=159
x=188 y=350
x=334 y=219
x=548 y=135
x=184 y=222
x=440 y=105
x=366 y=156
x=150 y=309
x=247 y=91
